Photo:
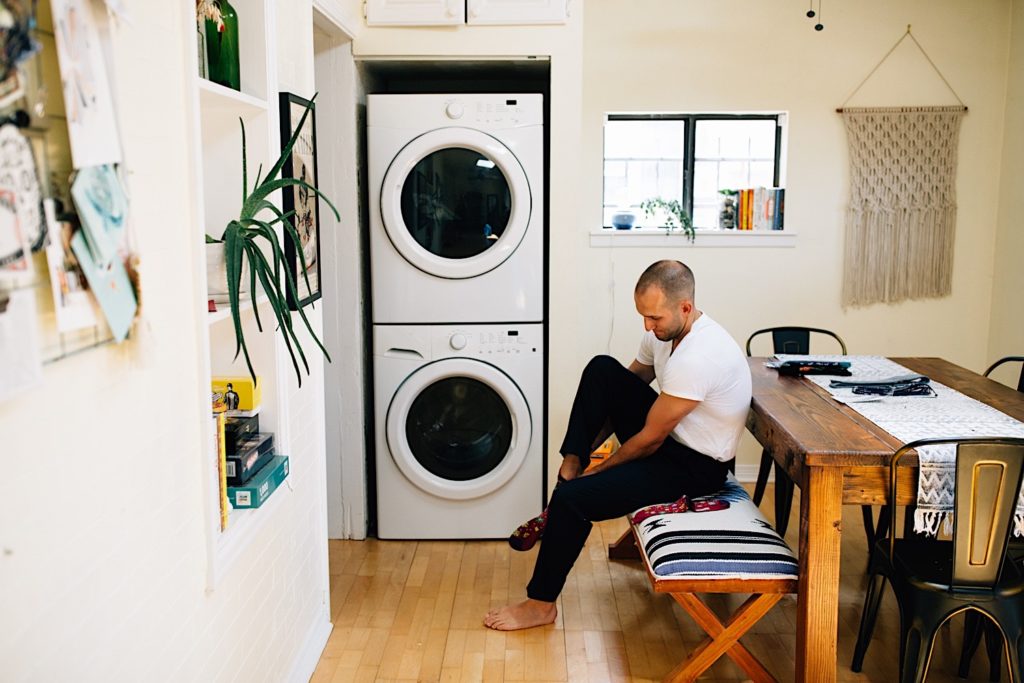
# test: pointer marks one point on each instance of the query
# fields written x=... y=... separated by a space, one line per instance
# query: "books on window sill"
x=761 y=208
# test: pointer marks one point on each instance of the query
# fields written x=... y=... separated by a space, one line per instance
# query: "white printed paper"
x=21 y=364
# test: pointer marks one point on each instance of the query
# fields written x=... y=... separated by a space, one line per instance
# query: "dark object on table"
x=798 y=368
x=933 y=579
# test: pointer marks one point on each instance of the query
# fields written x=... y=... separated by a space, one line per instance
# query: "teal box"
x=263 y=483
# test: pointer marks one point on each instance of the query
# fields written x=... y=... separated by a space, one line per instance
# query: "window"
x=687 y=157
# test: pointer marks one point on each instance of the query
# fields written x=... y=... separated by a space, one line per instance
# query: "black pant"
x=610 y=392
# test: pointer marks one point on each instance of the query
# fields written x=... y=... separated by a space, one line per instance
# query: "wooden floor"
x=412 y=611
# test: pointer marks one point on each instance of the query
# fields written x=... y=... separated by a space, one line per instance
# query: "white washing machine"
x=458 y=413
x=456 y=208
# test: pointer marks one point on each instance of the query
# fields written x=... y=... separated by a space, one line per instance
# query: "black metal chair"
x=934 y=580
x=1010 y=359
x=792 y=340
x=974 y=626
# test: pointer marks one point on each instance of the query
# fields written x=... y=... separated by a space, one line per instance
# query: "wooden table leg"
x=817 y=623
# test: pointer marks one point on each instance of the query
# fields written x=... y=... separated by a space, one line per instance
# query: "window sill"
x=655 y=237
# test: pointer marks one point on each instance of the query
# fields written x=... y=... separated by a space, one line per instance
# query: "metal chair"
x=1008 y=359
x=974 y=626
x=792 y=340
x=934 y=580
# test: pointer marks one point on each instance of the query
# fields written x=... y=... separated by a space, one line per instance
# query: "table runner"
x=950 y=414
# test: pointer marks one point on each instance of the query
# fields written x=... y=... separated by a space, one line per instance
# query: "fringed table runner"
x=949 y=414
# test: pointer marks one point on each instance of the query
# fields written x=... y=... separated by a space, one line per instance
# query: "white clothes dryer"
x=458 y=420
x=456 y=208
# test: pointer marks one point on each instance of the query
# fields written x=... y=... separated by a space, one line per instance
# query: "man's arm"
x=663 y=417
x=643 y=371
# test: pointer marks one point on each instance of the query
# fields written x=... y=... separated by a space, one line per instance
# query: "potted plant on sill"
x=249 y=239
x=674 y=213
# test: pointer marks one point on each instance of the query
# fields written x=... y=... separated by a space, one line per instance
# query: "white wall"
x=1007 y=330
x=102 y=545
x=735 y=55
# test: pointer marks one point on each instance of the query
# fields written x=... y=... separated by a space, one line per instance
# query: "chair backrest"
x=794 y=340
x=988 y=479
x=1008 y=359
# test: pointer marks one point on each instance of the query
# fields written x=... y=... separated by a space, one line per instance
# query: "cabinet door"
x=415 y=12
x=516 y=11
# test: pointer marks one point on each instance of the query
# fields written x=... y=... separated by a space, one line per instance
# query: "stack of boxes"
x=252 y=471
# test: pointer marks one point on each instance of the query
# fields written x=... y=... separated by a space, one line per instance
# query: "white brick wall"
x=102 y=541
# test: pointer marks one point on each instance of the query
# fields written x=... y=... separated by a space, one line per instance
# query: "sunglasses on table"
x=913 y=389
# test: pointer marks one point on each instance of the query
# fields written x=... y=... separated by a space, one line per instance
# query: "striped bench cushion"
x=737 y=543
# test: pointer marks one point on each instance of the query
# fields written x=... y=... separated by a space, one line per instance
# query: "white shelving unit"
x=219 y=192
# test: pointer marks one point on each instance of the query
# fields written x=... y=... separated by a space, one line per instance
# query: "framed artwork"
x=301 y=163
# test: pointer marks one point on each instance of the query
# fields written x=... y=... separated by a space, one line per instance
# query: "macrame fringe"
x=929 y=521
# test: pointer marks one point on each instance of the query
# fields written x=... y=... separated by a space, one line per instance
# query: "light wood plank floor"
x=412 y=611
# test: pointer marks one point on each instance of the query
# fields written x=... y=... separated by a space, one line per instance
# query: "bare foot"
x=570 y=468
x=526 y=614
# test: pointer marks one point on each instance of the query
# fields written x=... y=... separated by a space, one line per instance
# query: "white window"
x=688 y=158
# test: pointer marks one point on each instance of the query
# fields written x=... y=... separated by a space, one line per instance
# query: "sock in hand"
x=681 y=505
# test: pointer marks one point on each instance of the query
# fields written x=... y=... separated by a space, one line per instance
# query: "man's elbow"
x=651 y=441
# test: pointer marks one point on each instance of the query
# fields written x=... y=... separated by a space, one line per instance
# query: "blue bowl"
x=623 y=220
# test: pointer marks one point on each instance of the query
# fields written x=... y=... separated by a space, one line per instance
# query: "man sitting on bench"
x=675 y=443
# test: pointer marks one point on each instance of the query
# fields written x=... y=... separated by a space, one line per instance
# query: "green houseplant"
x=254 y=240
x=674 y=214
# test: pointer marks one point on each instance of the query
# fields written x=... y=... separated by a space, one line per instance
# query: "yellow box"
x=249 y=397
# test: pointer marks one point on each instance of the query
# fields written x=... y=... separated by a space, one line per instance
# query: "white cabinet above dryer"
x=517 y=11
x=415 y=12
x=453 y=12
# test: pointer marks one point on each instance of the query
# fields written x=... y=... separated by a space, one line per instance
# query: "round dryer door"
x=455 y=202
x=458 y=428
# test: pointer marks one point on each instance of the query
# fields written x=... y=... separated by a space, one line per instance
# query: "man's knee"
x=601 y=366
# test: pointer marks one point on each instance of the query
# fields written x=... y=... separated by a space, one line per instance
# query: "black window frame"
x=690 y=138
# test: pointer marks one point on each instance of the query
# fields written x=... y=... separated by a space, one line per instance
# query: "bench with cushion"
x=725 y=551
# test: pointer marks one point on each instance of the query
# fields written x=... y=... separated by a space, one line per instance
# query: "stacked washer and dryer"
x=457 y=250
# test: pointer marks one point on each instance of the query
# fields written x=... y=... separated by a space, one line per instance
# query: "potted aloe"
x=253 y=246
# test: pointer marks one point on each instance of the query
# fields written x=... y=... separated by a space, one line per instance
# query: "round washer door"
x=458 y=428
x=455 y=203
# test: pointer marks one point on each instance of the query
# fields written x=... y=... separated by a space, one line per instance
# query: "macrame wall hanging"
x=902 y=214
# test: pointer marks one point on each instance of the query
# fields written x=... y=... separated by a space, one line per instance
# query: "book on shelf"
x=259 y=488
x=238 y=428
x=250 y=455
x=237 y=393
x=761 y=208
x=220 y=454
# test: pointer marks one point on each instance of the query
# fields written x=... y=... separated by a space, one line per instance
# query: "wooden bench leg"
x=724 y=638
x=625 y=548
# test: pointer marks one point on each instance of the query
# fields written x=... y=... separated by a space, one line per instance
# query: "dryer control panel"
x=482 y=111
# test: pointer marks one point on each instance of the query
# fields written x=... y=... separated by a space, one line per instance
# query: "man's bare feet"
x=570 y=468
x=526 y=614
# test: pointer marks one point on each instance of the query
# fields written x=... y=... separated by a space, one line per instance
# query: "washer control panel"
x=482 y=341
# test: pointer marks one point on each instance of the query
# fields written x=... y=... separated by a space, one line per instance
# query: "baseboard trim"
x=309 y=656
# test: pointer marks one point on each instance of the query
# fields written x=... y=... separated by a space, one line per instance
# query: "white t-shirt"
x=709 y=367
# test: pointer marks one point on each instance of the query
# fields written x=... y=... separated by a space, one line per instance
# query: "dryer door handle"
x=394 y=352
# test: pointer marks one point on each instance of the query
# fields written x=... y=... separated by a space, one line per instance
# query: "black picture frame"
x=301 y=163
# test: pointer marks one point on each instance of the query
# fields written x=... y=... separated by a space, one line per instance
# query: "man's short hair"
x=674 y=278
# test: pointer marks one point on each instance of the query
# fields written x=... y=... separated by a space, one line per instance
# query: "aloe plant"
x=251 y=238
x=674 y=212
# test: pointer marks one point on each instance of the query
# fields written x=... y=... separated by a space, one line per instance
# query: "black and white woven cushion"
x=736 y=543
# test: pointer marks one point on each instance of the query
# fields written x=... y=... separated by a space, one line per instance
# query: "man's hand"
x=664 y=415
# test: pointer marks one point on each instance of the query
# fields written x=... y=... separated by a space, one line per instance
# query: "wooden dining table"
x=838 y=457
